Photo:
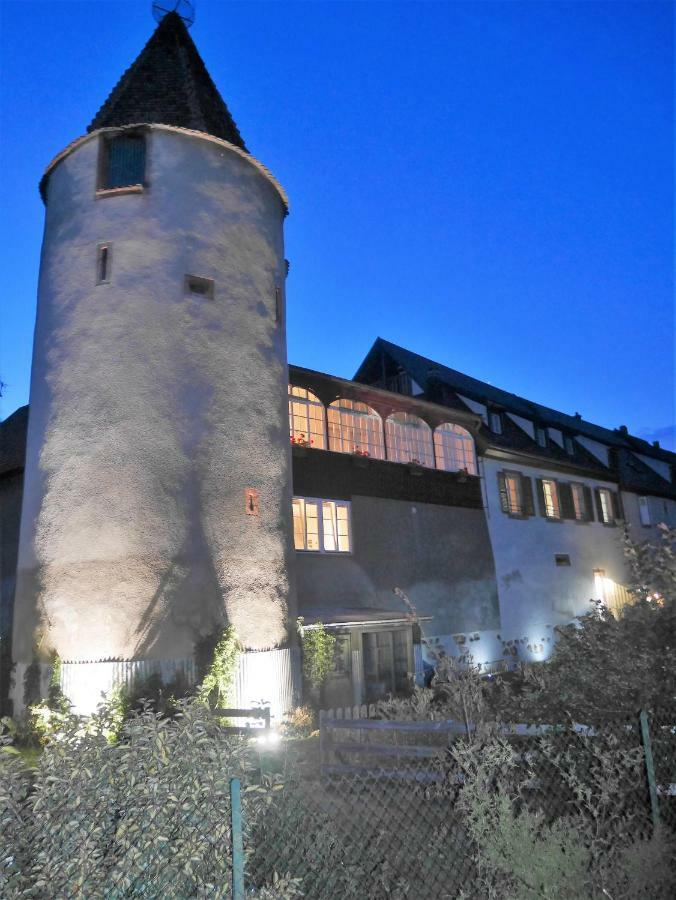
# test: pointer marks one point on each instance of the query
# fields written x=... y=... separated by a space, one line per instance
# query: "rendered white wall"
x=533 y=591
x=151 y=412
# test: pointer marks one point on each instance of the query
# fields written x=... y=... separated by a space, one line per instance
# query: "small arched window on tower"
x=409 y=439
x=454 y=449
x=122 y=161
x=306 y=419
x=355 y=428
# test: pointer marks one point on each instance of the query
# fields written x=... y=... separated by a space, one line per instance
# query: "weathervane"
x=184 y=8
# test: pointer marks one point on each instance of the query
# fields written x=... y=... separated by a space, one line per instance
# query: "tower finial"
x=183 y=8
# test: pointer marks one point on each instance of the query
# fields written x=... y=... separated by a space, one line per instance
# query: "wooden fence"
x=352 y=743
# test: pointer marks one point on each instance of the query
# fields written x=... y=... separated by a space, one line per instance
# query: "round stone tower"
x=157 y=499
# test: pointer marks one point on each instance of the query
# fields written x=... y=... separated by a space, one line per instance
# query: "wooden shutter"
x=502 y=490
x=126 y=160
x=566 y=504
x=618 y=512
x=588 y=504
x=527 y=496
x=541 y=497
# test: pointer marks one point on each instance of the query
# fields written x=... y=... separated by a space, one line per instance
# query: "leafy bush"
x=218 y=684
x=318 y=649
x=148 y=814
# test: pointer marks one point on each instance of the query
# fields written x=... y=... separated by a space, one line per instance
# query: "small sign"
x=251 y=501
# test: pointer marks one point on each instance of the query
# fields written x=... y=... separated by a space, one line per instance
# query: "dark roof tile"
x=168 y=84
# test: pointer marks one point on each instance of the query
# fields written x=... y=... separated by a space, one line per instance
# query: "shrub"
x=147 y=814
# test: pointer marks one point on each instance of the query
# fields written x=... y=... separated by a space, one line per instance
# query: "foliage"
x=594 y=847
x=217 y=687
x=147 y=814
x=299 y=723
x=604 y=665
x=318 y=650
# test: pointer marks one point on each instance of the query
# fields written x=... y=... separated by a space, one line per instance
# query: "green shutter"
x=566 y=500
x=502 y=490
x=588 y=504
x=541 y=497
x=527 y=496
x=618 y=512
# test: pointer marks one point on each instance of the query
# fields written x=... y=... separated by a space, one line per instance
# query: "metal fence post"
x=650 y=767
x=237 y=842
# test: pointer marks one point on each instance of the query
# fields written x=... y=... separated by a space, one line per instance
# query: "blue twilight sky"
x=488 y=184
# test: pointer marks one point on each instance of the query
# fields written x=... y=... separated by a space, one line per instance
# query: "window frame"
x=461 y=445
x=104 y=259
x=309 y=437
x=103 y=186
x=541 y=437
x=519 y=510
x=644 y=507
x=321 y=549
x=495 y=418
x=552 y=502
x=397 y=424
x=347 y=419
x=584 y=516
x=601 y=493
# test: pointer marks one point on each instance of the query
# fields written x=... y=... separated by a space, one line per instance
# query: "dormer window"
x=541 y=437
x=495 y=422
x=122 y=161
x=569 y=445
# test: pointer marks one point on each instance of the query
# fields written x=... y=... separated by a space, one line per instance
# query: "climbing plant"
x=217 y=687
x=318 y=651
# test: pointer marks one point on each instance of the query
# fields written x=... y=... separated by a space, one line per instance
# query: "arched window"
x=306 y=418
x=454 y=448
x=355 y=428
x=409 y=439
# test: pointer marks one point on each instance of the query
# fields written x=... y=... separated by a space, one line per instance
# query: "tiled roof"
x=168 y=84
x=445 y=385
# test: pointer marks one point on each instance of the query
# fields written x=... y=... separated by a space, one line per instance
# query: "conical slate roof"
x=168 y=84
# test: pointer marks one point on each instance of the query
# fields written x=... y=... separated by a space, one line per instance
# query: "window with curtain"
x=355 y=428
x=322 y=526
x=409 y=439
x=454 y=449
x=306 y=418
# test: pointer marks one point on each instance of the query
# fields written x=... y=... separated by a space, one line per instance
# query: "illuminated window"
x=644 y=510
x=495 y=422
x=550 y=498
x=322 y=526
x=454 y=449
x=355 y=428
x=306 y=418
x=614 y=596
x=409 y=439
x=605 y=505
x=512 y=495
x=579 y=502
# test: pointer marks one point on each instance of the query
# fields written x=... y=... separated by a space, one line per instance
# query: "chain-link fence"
x=564 y=813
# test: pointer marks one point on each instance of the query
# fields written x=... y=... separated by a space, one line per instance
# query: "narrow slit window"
x=103 y=263
x=278 y=304
x=200 y=287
